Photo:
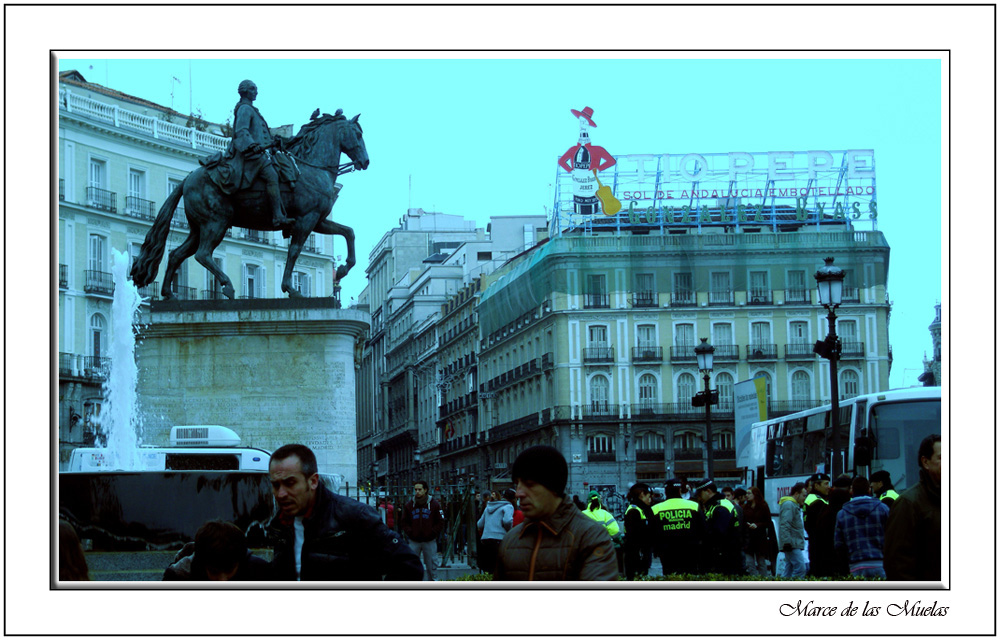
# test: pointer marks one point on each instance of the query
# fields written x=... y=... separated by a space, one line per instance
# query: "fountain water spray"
x=120 y=421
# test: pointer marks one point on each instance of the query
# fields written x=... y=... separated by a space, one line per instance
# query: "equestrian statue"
x=260 y=182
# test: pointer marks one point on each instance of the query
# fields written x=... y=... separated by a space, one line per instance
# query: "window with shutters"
x=801 y=390
x=97 y=253
x=685 y=389
x=720 y=291
x=597 y=336
x=798 y=332
x=97 y=337
x=683 y=288
x=850 y=384
x=252 y=281
x=848 y=330
x=97 y=176
x=760 y=334
x=600 y=392
x=724 y=383
x=300 y=282
x=646 y=335
x=647 y=391
x=760 y=288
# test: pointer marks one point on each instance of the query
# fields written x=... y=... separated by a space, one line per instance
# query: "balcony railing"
x=799 y=351
x=593 y=456
x=852 y=350
x=179 y=221
x=65 y=363
x=596 y=301
x=727 y=352
x=762 y=352
x=683 y=299
x=140 y=208
x=63 y=276
x=689 y=454
x=683 y=354
x=184 y=293
x=759 y=298
x=212 y=294
x=98 y=282
x=797 y=295
x=647 y=354
x=150 y=292
x=720 y=298
x=102 y=199
x=598 y=354
x=254 y=235
x=96 y=366
x=851 y=294
x=599 y=410
x=649 y=455
x=644 y=299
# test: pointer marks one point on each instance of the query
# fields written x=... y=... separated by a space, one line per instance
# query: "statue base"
x=276 y=371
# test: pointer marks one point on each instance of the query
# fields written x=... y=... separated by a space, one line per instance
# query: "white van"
x=192 y=448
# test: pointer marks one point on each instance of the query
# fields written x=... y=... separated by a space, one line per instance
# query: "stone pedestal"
x=275 y=371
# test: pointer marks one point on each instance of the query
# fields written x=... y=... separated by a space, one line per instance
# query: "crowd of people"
x=851 y=526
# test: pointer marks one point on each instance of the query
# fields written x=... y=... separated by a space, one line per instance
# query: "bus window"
x=916 y=420
x=888 y=443
x=815 y=452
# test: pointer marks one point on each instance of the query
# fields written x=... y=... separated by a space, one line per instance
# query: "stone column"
x=276 y=371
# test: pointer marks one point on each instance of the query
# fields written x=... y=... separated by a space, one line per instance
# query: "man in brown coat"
x=555 y=541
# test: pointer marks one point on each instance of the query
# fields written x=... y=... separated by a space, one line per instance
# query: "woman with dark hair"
x=638 y=531
x=758 y=518
x=511 y=496
x=72 y=563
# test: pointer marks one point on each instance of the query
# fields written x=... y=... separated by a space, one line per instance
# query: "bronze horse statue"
x=316 y=152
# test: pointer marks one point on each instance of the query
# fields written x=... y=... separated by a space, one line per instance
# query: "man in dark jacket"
x=423 y=520
x=820 y=540
x=219 y=552
x=723 y=538
x=860 y=531
x=913 y=532
x=319 y=535
x=555 y=541
x=638 y=538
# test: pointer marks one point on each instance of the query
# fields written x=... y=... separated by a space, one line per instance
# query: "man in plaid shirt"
x=860 y=531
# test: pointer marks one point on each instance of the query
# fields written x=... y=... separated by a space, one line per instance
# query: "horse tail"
x=148 y=263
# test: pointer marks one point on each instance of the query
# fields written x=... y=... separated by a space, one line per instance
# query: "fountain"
x=132 y=503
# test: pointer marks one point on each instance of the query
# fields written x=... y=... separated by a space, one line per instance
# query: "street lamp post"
x=830 y=284
x=706 y=354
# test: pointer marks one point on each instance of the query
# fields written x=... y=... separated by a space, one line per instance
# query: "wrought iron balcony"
x=726 y=352
x=184 y=293
x=683 y=354
x=851 y=294
x=98 y=282
x=179 y=221
x=852 y=350
x=547 y=361
x=683 y=299
x=140 y=208
x=689 y=454
x=644 y=299
x=593 y=456
x=649 y=455
x=596 y=301
x=720 y=298
x=598 y=354
x=212 y=294
x=647 y=354
x=96 y=366
x=65 y=363
x=599 y=410
x=799 y=351
x=762 y=352
x=102 y=199
x=63 y=276
x=760 y=297
x=150 y=292
x=797 y=296
x=254 y=235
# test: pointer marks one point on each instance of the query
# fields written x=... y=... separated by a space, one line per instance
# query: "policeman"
x=678 y=528
x=637 y=531
x=882 y=488
x=596 y=511
x=723 y=537
x=815 y=505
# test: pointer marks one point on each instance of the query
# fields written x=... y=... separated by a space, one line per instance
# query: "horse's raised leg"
x=294 y=249
x=184 y=251
x=330 y=227
x=210 y=239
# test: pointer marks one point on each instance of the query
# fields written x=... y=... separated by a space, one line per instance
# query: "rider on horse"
x=253 y=142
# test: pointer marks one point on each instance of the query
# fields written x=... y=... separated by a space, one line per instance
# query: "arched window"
x=647 y=392
x=687 y=446
x=724 y=383
x=649 y=446
x=800 y=390
x=600 y=447
x=685 y=389
x=850 y=384
x=599 y=391
x=97 y=336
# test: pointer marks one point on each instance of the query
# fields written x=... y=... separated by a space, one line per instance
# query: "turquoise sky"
x=481 y=137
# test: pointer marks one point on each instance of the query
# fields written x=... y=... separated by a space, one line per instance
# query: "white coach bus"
x=192 y=448
x=878 y=431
